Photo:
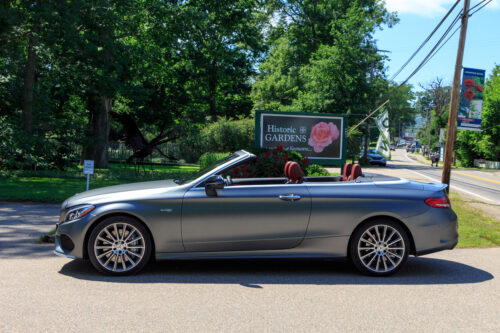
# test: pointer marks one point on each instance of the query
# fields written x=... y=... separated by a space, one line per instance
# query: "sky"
x=417 y=18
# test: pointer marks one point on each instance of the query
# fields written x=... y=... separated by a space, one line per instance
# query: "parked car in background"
x=377 y=221
x=374 y=158
x=393 y=147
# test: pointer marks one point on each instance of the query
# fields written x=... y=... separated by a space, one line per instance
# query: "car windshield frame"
x=222 y=164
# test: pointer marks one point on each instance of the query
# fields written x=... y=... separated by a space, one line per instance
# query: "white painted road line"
x=454 y=186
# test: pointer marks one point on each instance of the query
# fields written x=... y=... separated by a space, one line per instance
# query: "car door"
x=245 y=218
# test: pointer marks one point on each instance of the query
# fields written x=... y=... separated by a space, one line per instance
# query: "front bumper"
x=60 y=254
x=70 y=237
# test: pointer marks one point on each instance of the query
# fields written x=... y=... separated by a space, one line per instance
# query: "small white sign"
x=88 y=167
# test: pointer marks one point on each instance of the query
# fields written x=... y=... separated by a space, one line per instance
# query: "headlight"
x=78 y=212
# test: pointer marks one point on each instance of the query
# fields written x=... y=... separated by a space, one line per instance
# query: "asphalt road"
x=484 y=185
x=448 y=291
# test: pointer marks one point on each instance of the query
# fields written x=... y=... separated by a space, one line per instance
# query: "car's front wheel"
x=119 y=245
x=379 y=247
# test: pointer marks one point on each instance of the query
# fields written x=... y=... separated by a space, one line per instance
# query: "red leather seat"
x=356 y=172
x=287 y=169
x=295 y=174
x=347 y=171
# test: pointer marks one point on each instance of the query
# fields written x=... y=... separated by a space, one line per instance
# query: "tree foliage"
x=65 y=66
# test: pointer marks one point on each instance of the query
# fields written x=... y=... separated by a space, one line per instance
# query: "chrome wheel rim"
x=381 y=248
x=119 y=247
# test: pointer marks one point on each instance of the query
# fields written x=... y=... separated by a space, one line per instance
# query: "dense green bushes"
x=210 y=158
x=228 y=135
x=224 y=135
x=20 y=150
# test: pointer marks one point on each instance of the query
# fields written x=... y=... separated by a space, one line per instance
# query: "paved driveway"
x=21 y=226
x=448 y=291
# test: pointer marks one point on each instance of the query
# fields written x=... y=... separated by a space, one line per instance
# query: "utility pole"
x=455 y=96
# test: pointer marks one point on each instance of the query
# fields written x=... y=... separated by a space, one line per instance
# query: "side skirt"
x=320 y=247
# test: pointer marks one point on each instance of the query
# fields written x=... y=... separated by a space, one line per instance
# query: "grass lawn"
x=54 y=190
x=55 y=186
x=475 y=229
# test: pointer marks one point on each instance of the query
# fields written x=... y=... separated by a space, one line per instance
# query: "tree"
x=433 y=105
x=401 y=110
x=101 y=43
x=324 y=60
x=221 y=42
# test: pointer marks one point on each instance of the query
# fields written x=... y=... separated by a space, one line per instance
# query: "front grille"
x=66 y=243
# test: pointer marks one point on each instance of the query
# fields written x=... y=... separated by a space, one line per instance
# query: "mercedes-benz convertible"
x=376 y=221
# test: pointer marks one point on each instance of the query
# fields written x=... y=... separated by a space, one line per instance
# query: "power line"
x=428 y=57
x=478 y=8
x=432 y=51
x=478 y=4
x=426 y=40
x=419 y=67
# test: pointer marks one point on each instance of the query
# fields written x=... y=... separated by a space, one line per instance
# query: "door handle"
x=289 y=197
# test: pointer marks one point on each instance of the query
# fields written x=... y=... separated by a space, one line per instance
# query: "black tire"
x=123 y=254
x=380 y=263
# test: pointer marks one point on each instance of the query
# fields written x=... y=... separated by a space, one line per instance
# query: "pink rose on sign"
x=323 y=135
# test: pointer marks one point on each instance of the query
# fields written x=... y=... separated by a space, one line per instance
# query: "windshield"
x=208 y=168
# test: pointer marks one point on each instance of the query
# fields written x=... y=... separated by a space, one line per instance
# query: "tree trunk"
x=97 y=150
x=29 y=80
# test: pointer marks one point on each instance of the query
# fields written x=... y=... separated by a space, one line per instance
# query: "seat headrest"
x=347 y=171
x=356 y=172
x=287 y=169
x=295 y=174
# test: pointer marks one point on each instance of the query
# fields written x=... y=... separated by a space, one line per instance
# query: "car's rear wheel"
x=379 y=247
x=119 y=245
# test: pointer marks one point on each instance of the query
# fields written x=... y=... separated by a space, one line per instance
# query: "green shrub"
x=228 y=135
x=316 y=171
x=210 y=158
x=224 y=135
x=20 y=150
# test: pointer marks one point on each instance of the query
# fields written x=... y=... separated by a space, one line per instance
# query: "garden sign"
x=321 y=137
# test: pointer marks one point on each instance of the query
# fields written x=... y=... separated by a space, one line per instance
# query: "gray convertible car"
x=376 y=221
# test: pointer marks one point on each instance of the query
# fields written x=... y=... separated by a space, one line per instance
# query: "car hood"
x=120 y=192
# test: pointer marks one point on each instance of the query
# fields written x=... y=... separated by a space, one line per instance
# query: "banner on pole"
x=471 y=99
x=383 y=143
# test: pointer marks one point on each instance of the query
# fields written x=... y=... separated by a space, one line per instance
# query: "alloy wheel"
x=381 y=248
x=119 y=247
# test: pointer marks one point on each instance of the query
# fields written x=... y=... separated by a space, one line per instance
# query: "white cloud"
x=429 y=8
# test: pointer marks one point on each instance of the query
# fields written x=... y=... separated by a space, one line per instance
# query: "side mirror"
x=212 y=184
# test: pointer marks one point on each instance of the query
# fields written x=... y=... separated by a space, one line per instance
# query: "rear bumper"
x=434 y=231
x=449 y=246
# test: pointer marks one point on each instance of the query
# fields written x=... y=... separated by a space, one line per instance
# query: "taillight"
x=441 y=202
